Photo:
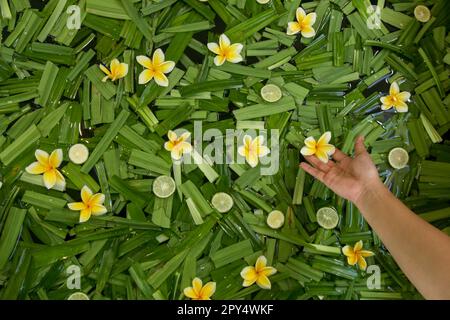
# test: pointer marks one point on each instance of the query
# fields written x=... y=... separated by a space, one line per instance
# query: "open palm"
x=346 y=176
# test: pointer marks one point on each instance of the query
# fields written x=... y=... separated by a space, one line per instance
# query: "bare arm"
x=420 y=249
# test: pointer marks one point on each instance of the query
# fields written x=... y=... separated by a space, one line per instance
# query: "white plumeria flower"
x=321 y=148
x=303 y=24
x=253 y=149
x=47 y=166
x=226 y=51
x=178 y=145
x=395 y=99
x=91 y=204
x=155 y=68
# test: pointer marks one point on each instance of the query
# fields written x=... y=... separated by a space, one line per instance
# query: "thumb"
x=359 y=146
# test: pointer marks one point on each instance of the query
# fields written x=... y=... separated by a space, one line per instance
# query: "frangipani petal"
x=261 y=263
x=362 y=263
x=98 y=210
x=249 y=274
x=208 y=290
x=35 y=168
x=49 y=178
x=348 y=251
x=56 y=158
x=41 y=157
x=366 y=253
x=268 y=271
x=236 y=48
x=76 y=206
x=214 y=47
x=404 y=96
x=234 y=58
x=144 y=61
x=308 y=32
x=310 y=19
x=219 y=60
x=86 y=194
x=197 y=285
x=351 y=260
x=121 y=71
x=358 y=246
x=300 y=14
x=172 y=136
x=161 y=79
x=293 y=28
x=324 y=139
x=224 y=41
x=307 y=151
x=394 y=89
x=105 y=70
x=167 y=66
x=158 y=57
x=145 y=76
x=85 y=215
x=263 y=282
x=400 y=106
x=190 y=293
x=97 y=198
x=322 y=155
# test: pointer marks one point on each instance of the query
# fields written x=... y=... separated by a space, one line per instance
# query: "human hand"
x=350 y=178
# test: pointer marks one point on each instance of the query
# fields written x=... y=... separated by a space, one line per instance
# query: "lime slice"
x=327 y=218
x=163 y=186
x=78 y=153
x=271 y=93
x=422 y=13
x=398 y=158
x=222 y=202
x=78 y=296
x=275 y=219
x=263 y=1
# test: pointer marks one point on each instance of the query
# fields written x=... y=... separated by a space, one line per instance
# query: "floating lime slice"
x=78 y=153
x=263 y=1
x=398 y=158
x=275 y=219
x=163 y=186
x=78 y=296
x=271 y=93
x=222 y=202
x=422 y=13
x=327 y=218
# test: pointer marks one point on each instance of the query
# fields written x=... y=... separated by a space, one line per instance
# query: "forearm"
x=419 y=248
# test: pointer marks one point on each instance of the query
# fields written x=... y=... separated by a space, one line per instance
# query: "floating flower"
x=303 y=24
x=198 y=291
x=395 y=99
x=356 y=255
x=259 y=273
x=47 y=165
x=321 y=149
x=253 y=149
x=155 y=68
x=226 y=51
x=92 y=204
x=118 y=70
x=178 y=145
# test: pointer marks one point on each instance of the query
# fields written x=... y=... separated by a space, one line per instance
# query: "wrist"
x=369 y=194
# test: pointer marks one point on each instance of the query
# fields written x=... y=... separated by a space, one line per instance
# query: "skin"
x=420 y=249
